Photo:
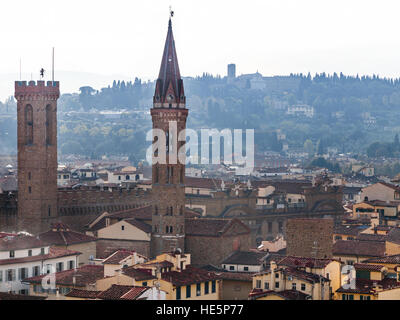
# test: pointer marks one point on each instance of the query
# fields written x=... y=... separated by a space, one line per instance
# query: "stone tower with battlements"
x=169 y=108
x=37 y=154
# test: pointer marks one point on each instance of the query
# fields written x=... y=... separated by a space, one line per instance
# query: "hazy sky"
x=125 y=38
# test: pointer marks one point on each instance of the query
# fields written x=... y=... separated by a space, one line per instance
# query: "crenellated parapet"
x=37 y=90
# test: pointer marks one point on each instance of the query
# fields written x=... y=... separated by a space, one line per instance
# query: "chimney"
x=272 y=267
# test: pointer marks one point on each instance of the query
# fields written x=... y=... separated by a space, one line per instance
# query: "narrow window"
x=28 y=124
x=49 y=125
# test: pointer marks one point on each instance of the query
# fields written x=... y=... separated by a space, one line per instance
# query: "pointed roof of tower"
x=169 y=80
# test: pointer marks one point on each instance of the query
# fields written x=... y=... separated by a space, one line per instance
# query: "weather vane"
x=42 y=73
x=171 y=13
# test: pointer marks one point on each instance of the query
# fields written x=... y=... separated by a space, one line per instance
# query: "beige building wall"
x=122 y=230
x=87 y=249
x=378 y=191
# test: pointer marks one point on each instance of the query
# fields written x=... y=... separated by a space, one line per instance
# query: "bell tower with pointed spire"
x=169 y=108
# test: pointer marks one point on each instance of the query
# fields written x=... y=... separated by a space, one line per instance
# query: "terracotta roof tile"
x=368 y=267
x=78 y=293
x=20 y=242
x=349 y=230
x=60 y=234
x=359 y=248
x=120 y=292
x=118 y=256
x=286 y=294
x=245 y=258
x=138 y=274
x=393 y=259
x=302 y=262
x=12 y=296
x=188 y=276
x=365 y=286
x=84 y=275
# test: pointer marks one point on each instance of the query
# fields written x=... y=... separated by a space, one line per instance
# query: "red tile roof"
x=145 y=227
x=245 y=258
x=78 y=293
x=238 y=276
x=365 y=286
x=120 y=292
x=12 y=296
x=371 y=237
x=190 y=275
x=349 y=230
x=84 y=275
x=139 y=274
x=20 y=242
x=302 y=262
x=368 y=267
x=359 y=248
x=285 y=294
x=60 y=234
x=393 y=259
x=118 y=256
x=205 y=183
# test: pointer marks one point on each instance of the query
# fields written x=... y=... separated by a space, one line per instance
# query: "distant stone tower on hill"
x=37 y=153
x=169 y=105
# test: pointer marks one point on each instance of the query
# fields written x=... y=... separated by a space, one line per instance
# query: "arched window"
x=28 y=124
x=49 y=125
